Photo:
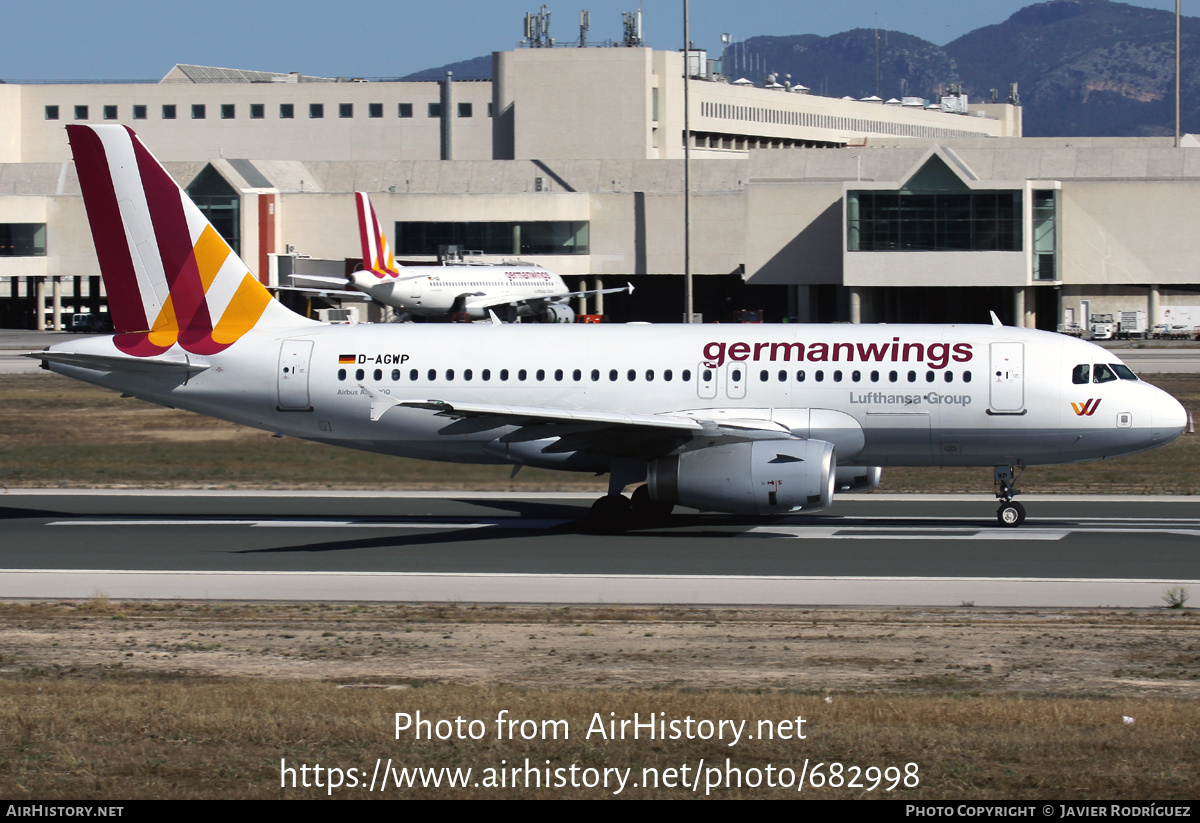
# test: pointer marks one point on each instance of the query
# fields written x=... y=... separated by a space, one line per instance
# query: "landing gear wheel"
x=647 y=512
x=610 y=514
x=1011 y=514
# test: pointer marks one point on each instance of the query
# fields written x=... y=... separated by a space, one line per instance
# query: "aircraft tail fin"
x=377 y=255
x=170 y=277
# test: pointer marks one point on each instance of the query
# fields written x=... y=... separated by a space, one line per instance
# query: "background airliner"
x=753 y=419
x=511 y=290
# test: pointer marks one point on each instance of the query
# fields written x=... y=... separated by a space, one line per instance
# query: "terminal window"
x=198 y=112
x=257 y=111
x=110 y=112
x=220 y=203
x=139 y=112
x=22 y=239
x=925 y=221
x=498 y=237
x=228 y=111
x=81 y=112
x=168 y=112
x=51 y=112
x=405 y=110
x=345 y=109
x=435 y=109
x=286 y=111
x=316 y=110
x=375 y=110
x=464 y=109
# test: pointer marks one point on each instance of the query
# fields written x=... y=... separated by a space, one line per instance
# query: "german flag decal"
x=346 y=359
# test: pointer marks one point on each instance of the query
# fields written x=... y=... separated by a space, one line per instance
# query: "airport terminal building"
x=806 y=207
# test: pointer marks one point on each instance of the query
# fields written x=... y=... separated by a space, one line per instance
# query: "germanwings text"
x=933 y=355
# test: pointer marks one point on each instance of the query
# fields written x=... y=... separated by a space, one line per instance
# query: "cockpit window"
x=1081 y=373
x=1124 y=372
x=1103 y=374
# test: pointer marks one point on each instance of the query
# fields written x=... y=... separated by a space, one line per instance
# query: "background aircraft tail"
x=377 y=255
x=170 y=277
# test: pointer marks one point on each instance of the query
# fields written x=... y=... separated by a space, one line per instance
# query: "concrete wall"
x=596 y=104
x=1119 y=233
x=10 y=123
x=330 y=137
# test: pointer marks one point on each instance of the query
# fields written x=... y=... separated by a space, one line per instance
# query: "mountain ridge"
x=1082 y=67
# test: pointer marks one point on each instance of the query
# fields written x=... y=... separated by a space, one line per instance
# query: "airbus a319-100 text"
x=752 y=419
x=510 y=290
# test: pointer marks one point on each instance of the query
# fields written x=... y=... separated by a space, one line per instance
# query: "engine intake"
x=556 y=313
x=755 y=477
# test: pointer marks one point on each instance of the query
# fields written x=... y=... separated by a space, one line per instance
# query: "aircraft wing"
x=497 y=302
x=341 y=293
x=318 y=281
x=544 y=419
x=628 y=287
x=104 y=362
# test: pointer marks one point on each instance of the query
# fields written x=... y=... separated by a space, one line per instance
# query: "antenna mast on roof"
x=537 y=29
x=632 y=22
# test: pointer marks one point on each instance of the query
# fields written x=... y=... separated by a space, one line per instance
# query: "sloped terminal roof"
x=184 y=73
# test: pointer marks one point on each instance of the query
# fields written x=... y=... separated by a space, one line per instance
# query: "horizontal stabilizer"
x=110 y=363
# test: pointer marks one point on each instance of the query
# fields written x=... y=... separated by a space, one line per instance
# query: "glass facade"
x=525 y=237
x=941 y=221
x=22 y=239
x=220 y=203
x=1044 y=243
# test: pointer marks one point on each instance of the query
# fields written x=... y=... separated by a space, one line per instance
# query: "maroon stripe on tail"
x=165 y=201
x=108 y=232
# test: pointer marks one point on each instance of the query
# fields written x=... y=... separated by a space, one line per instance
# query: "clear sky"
x=143 y=39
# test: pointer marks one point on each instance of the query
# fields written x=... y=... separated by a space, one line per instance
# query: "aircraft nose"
x=1169 y=418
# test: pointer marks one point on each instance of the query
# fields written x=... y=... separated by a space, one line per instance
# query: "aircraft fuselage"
x=901 y=395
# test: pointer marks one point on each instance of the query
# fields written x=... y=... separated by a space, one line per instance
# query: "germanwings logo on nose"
x=1086 y=409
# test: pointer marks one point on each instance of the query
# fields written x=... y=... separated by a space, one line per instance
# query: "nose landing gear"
x=1011 y=513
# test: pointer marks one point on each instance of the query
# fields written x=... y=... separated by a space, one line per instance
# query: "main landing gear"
x=1011 y=513
x=616 y=513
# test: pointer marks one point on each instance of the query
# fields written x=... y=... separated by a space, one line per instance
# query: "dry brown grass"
x=123 y=700
x=175 y=740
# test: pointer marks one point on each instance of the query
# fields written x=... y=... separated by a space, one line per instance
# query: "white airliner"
x=511 y=290
x=754 y=419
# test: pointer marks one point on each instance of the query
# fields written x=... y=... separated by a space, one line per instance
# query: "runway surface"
x=866 y=550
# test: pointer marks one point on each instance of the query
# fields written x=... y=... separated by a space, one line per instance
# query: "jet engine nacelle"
x=556 y=313
x=857 y=478
x=754 y=477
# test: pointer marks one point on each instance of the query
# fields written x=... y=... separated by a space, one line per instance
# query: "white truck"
x=1102 y=326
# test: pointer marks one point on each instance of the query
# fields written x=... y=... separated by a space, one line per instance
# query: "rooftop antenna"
x=632 y=22
x=584 y=25
x=877 y=94
x=537 y=29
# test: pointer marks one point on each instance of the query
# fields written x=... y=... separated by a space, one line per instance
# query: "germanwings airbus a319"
x=752 y=419
x=511 y=290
